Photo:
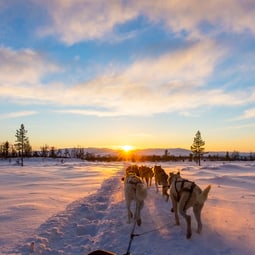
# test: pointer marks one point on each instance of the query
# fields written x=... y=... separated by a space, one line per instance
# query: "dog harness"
x=184 y=189
x=134 y=180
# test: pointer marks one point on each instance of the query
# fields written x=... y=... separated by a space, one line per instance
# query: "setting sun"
x=127 y=148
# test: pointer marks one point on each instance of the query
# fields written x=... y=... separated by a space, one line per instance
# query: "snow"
x=76 y=207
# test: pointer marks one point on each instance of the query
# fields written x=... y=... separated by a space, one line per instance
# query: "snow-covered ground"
x=76 y=207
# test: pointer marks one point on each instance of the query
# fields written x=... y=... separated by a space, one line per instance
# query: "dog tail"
x=203 y=195
x=141 y=192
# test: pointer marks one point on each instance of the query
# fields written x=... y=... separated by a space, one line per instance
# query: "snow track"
x=99 y=220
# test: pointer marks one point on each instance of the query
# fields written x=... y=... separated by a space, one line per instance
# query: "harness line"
x=132 y=235
x=152 y=230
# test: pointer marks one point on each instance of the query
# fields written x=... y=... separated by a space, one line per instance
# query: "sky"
x=95 y=73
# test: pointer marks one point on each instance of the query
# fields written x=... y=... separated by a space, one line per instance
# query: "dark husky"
x=161 y=179
x=187 y=194
x=146 y=173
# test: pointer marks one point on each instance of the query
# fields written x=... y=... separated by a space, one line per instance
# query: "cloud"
x=248 y=114
x=75 y=21
x=193 y=64
x=190 y=16
x=13 y=115
x=23 y=67
x=244 y=126
x=21 y=73
x=173 y=82
x=88 y=112
x=78 y=20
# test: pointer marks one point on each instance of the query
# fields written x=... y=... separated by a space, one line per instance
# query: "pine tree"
x=5 y=149
x=45 y=151
x=22 y=141
x=197 y=147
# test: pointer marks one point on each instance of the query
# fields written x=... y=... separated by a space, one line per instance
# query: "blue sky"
x=145 y=73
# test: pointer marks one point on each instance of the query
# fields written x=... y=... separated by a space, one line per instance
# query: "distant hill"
x=161 y=152
x=151 y=152
x=139 y=152
x=101 y=151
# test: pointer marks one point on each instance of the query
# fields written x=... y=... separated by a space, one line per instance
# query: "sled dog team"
x=184 y=194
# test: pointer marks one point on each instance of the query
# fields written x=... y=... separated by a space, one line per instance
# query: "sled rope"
x=153 y=230
x=132 y=235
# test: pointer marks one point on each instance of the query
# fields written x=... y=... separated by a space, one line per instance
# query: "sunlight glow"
x=127 y=148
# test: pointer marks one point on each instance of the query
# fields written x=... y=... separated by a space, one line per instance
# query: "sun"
x=127 y=148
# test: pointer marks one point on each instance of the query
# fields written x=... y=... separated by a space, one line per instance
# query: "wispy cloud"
x=21 y=74
x=244 y=126
x=175 y=81
x=230 y=15
x=248 y=114
x=89 y=112
x=76 y=21
x=23 y=67
x=171 y=82
x=13 y=115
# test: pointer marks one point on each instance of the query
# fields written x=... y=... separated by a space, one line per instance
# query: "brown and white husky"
x=136 y=191
x=185 y=194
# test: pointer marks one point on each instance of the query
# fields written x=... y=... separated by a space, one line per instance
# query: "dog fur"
x=146 y=174
x=185 y=194
x=134 y=190
x=161 y=179
x=132 y=169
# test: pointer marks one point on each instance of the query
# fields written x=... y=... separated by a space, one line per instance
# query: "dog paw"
x=199 y=231
x=188 y=235
x=139 y=222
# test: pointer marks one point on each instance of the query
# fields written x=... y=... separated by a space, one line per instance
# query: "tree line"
x=22 y=149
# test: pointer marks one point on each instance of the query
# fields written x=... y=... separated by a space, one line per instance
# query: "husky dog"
x=134 y=191
x=146 y=173
x=187 y=194
x=132 y=169
x=161 y=179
